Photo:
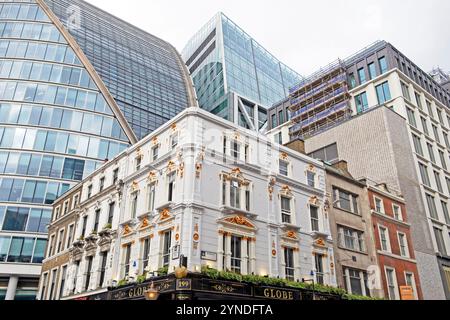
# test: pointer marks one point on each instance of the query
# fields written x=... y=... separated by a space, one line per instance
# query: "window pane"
x=39 y=250
x=15 y=249
x=34 y=220
x=39 y=193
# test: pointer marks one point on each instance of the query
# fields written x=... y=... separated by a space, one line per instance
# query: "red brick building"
x=394 y=245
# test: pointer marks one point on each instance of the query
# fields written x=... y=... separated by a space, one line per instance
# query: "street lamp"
x=151 y=293
x=313 y=284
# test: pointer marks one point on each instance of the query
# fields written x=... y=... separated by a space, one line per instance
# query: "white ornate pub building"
x=203 y=188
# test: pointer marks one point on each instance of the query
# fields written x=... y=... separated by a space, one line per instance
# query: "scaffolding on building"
x=320 y=101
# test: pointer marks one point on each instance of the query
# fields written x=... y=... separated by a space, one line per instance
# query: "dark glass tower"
x=77 y=86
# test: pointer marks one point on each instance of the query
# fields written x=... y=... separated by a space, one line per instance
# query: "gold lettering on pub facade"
x=278 y=294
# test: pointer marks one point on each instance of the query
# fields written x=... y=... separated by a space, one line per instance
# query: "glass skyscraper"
x=235 y=77
x=77 y=87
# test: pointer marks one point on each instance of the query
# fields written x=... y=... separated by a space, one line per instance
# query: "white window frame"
x=238 y=150
x=124 y=259
x=43 y=290
x=388 y=240
x=314 y=181
x=291 y=211
x=414 y=284
x=319 y=220
x=400 y=212
x=174 y=185
x=58 y=296
x=75 y=200
x=91 y=189
x=68 y=244
x=174 y=140
x=397 y=294
x=406 y=244
x=138 y=163
x=51 y=247
x=101 y=183
x=57 y=213
x=358 y=237
x=142 y=251
x=63 y=232
x=383 y=211
x=151 y=201
x=155 y=152
x=134 y=205
x=54 y=293
x=66 y=208
x=362 y=280
x=288 y=169
x=238 y=196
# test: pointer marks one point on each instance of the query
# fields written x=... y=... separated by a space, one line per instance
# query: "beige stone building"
x=61 y=236
x=350 y=225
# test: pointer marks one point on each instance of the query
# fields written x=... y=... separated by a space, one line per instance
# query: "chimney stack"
x=297 y=145
x=341 y=165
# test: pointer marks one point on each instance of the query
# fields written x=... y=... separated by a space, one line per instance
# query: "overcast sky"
x=305 y=35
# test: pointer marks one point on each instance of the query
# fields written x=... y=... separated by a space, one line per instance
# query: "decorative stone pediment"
x=236 y=175
x=145 y=223
x=239 y=221
x=171 y=166
x=174 y=127
x=291 y=235
x=76 y=253
x=152 y=177
x=155 y=141
x=90 y=248
x=106 y=237
x=284 y=156
x=286 y=191
x=127 y=230
x=320 y=242
x=311 y=168
x=314 y=201
x=134 y=186
x=165 y=215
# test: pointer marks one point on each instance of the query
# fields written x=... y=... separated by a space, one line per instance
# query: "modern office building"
x=234 y=76
x=77 y=86
x=250 y=207
x=395 y=128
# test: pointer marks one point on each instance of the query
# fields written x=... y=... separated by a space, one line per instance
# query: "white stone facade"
x=211 y=191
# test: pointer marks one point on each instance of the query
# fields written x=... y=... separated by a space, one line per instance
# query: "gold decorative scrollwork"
x=134 y=186
x=171 y=166
x=165 y=214
x=240 y=221
x=314 y=201
x=223 y=288
x=286 y=191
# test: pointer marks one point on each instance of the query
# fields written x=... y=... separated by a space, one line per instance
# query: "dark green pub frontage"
x=200 y=288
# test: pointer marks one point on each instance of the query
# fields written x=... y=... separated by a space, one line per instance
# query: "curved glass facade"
x=144 y=74
x=55 y=129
